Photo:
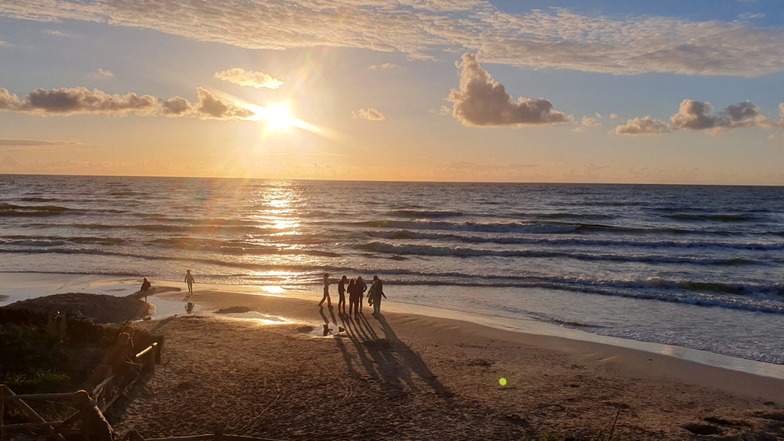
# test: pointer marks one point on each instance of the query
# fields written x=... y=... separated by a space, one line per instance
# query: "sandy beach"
x=271 y=372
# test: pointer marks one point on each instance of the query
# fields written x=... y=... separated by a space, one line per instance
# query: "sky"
x=592 y=91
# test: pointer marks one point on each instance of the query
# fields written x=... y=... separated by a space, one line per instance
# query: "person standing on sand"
x=189 y=280
x=342 y=295
x=353 y=298
x=361 y=287
x=375 y=294
x=326 y=292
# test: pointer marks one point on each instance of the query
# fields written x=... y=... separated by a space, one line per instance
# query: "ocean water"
x=700 y=267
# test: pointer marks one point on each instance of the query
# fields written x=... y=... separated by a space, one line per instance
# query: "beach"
x=645 y=311
x=271 y=372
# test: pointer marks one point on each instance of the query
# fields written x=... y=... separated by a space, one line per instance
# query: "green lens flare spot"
x=502 y=381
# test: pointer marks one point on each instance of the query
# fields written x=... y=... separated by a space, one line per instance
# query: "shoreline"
x=19 y=286
x=271 y=372
x=628 y=359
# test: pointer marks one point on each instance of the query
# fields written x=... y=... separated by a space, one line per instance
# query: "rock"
x=99 y=307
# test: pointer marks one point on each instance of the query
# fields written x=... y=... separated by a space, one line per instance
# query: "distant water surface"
x=694 y=266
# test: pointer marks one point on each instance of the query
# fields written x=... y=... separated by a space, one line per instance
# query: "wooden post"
x=2 y=411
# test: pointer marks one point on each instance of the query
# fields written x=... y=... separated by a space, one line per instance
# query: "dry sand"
x=411 y=377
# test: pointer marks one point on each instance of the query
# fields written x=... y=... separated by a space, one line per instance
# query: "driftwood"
x=152 y=291
x=217 y=436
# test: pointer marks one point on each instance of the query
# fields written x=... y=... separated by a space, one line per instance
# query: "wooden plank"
x=53 y=396
x=184 y=438
x=45 y=425
x=147 y=349
x=97 y=389
x=210 y=437
x=27 y=410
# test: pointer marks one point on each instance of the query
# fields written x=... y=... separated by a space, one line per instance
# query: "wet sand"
x=270 y=372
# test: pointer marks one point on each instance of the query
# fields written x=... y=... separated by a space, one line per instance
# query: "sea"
x=696 y=267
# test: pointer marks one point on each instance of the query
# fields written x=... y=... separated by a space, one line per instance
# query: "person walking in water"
x=375 y=294
x=342 y=295
x=361 y=287
x=326 y=292
x=189 y=280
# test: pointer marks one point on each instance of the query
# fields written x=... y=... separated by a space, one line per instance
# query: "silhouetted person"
x=326 y=292
x=93 y=425
x=375 y=294
x=361 y=288
x=146 y=286
x=342 y=295
x=353 y=297
x=189 y=280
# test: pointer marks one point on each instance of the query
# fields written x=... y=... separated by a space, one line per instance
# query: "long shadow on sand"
x=388 y=359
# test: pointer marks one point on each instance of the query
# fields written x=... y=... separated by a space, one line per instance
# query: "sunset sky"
x=416 y=90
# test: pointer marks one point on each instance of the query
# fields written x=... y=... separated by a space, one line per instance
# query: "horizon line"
x=392 y=181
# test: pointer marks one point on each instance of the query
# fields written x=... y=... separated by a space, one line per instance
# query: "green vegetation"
x=40 y=353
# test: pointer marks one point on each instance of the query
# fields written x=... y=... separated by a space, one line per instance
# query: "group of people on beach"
x=356 y=291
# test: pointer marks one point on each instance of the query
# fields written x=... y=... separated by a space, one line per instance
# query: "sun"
x=278 y=117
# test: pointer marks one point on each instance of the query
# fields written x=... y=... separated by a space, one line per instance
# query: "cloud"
x=211 y=107
x=259 y=80
x=4 y=44
x=553 y=38
x=54 y=33
x=177 y=106
x=369 y=114
x=74 y=100
x=642 y=126
x=482 y=101
x=697 y=115
x=79 y=100
x=587 y=122
x=384 y=66
x=33 y=143
x=102 y=74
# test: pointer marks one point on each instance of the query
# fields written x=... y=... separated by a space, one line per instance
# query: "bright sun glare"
x=278 y=117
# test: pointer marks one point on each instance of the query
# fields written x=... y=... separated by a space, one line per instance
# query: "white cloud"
x=55 y=33
x=642 y=126
x=587 y=122
x=369 y=114
x=259 y=80
x=482 y=101
x=102 y=74
x=384 y=66
x=556 y=38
